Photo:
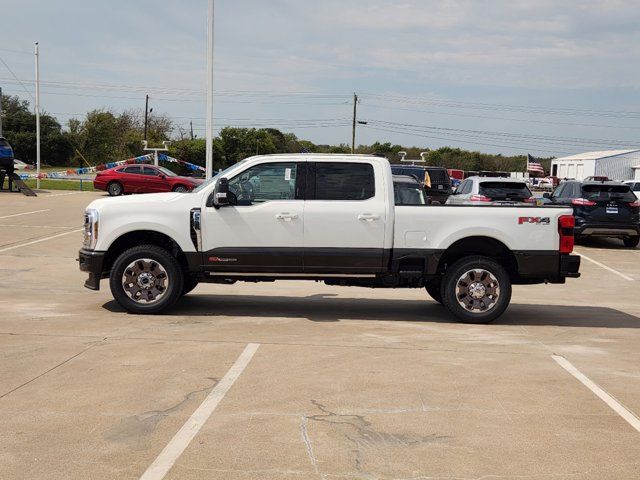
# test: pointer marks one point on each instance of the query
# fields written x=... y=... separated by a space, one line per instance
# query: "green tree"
x=19 y=128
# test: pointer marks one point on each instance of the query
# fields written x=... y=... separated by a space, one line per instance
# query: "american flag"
x=533 y=165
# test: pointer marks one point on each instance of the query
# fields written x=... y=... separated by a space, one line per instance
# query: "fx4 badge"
x=534 y=220
x=219 y=259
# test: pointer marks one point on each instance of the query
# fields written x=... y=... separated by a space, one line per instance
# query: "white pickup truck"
x=330 y=218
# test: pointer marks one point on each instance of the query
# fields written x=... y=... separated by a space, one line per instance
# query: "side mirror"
x=546 y=195
x=162 y=176
x=221 y=193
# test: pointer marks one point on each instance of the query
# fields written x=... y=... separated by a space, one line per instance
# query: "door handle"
x=287 y=217
x=368 y=217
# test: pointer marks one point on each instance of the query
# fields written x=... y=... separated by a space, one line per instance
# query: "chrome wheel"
x=477 y=290
x=145 y=281
x=180 y=189
x=114 y=189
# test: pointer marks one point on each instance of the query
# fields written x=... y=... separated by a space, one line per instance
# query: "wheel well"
x=485 y=246
x=143 y=237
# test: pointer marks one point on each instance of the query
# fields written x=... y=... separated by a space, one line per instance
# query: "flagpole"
x=37 y=116
x=209 y=120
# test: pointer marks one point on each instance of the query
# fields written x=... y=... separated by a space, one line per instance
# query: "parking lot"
x=308 y=381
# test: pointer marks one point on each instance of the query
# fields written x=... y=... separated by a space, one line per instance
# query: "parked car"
x=19 y=164
x=142 y=179
x=605 y=209
x=635 y=187
x=491 y=190
x=6 y=155
x=339 y=224
x=408 y=191
x=435 y=179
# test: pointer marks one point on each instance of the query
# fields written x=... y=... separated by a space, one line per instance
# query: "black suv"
x=437 y=184
x=606 y=209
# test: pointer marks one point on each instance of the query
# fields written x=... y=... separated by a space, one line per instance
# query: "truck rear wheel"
x=476 y=289
x=146 y=279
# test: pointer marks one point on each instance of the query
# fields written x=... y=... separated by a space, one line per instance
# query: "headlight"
x=90 y=229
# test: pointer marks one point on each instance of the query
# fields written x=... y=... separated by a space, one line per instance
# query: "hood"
x=147 y=201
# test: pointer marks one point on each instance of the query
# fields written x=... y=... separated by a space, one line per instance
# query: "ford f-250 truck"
x=329 y=218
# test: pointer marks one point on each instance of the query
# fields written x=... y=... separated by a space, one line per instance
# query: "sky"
x=513 y=77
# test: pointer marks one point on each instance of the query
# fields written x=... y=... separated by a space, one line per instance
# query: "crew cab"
x=329 y=218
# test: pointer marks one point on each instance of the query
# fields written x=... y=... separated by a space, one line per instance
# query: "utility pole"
x=353 y=130
x=146 y=115
x=209 y=120
x=37 y=115
x=0 y=111
x=191 y=125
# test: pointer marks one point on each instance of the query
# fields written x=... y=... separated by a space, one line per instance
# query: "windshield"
x=167 y=172
x=504 y=190
x=407 y=194
x=607 y=192
x=220 y=174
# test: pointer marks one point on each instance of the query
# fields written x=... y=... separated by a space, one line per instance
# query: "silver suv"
x=491 y=190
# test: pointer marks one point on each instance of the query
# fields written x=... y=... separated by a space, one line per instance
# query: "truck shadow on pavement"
x=331 y=308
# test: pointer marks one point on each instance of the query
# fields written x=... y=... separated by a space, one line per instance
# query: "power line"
x=552 y=139
x=508 y=119
x=14 y=76
x=519 y=146
x=506 y=107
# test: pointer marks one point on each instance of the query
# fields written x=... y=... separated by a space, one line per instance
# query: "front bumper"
x=92 y=261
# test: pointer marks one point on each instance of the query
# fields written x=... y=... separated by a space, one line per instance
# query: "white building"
x=615 y=164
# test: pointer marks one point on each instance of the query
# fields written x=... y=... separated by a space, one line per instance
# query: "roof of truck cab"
x=319 y=157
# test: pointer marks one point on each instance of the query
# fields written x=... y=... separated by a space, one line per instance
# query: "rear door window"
x=505 y=190
x=135 y=170
x=149 y=171
x=607 y=193
x=344 y=181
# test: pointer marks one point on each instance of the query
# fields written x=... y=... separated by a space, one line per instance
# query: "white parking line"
x=630 y=417
x=25 y=213
x=39 y=240
x=63 y=194
x=602 y=265
x=163 y=463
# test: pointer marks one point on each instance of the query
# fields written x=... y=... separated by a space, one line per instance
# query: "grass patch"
x=48 y=184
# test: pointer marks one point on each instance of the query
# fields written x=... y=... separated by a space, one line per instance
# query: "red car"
x=142 y=179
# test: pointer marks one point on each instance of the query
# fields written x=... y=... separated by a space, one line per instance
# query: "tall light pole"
x=37 y=116
x=353 y=128
x=209 y=121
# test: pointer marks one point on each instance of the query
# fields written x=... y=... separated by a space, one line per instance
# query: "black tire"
x=115 y=189
x=180 y=189
x=631 y=242
x=189 y=283
x=434 y=289
x=164 y=281
x=488 y=279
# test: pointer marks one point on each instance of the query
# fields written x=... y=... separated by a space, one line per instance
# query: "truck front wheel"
x=146 y=279
x=476 y=289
